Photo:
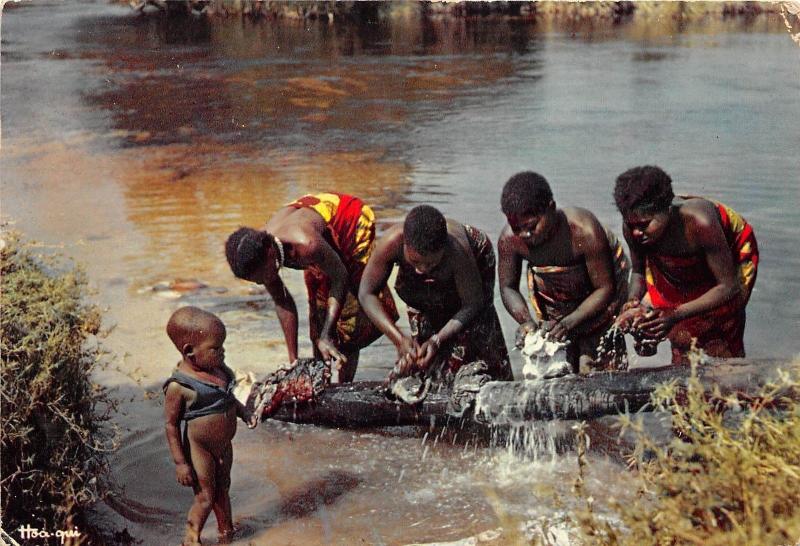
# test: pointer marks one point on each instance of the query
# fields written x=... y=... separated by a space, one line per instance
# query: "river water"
x=134 y=145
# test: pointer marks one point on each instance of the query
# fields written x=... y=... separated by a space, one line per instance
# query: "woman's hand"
x=408 y=351
x=628 y=320
x=522 y=331
x=558 y=329
x=631 y=304
x=427 y=352
x=657 y=323
x=250 y=418
x=330 y=353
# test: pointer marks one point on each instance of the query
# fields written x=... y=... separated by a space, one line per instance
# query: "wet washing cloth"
x=674 y=280
x=301 y=382
x=556 y=291
x=351 y=233
x=431 y=303
x=211 y=398
x=462 y=386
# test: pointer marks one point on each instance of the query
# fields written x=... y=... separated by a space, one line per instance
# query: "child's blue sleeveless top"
x=210 y=399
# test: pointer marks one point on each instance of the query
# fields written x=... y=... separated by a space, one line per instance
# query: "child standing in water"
x=200 y=392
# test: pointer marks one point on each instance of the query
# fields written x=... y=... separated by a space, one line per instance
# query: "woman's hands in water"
x=330 y=353
x=658 y=323
x=524 y=329
x=427 y=352
x=408 y=351
x=413 y=357
x=558 y=329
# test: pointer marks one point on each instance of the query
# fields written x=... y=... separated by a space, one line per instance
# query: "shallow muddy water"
x=134 y=145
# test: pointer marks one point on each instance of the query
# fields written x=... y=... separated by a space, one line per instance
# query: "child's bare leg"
x=203 y=464
x=222 y=500
x=348 y=370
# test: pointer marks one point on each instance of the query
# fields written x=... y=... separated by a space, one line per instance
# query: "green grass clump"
x=730 y=476
x=52 y=436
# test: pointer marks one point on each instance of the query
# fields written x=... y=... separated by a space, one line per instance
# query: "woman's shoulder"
x=582 y=222
x=697 y=211
x=458 y=232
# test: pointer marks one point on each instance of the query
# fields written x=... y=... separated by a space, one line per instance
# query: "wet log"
x=364 y=404
x=610 y=393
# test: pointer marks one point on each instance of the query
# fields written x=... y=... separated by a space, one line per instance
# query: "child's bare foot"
x=191 y=537
x=226 y=536
x=239 y=531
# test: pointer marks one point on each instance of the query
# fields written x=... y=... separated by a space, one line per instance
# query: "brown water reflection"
x=233 y=101
x=244 y=117
x=189 y=198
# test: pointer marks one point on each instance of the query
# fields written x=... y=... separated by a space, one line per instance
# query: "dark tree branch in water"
x=363 y=404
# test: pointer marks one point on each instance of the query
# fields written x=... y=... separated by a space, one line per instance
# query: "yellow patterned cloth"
x=350 y=231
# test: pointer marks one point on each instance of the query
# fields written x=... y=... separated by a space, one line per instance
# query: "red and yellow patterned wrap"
x=351 y=233
x=674 y=280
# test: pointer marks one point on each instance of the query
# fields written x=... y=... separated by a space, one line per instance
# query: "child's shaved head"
x=190 y=325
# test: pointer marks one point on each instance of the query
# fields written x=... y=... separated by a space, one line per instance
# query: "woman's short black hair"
x=647 y=189
x=425 y=229
x=526 y=193
x=246 y=249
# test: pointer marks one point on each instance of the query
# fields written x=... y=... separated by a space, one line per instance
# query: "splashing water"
x=611 y=348
x=545 y=358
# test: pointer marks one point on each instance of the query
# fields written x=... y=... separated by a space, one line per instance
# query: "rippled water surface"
x=135 y=144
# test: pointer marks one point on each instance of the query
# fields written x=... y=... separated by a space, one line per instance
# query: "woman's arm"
x=592 y=241
x=287 y=314
x=323 y=255
x=509 y=271
x=470 y=290
x=373 y=281
x=637 y=285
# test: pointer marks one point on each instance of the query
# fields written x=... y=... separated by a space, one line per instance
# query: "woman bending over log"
x=694 y=266
x=446 y=277
x=330 y=237
x=577 y=273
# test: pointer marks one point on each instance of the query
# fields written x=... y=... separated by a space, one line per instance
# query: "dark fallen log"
x=364 y=404
x=609 y=393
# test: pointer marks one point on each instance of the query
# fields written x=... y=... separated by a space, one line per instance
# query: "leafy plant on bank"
x=730 y=476
x=53 y=438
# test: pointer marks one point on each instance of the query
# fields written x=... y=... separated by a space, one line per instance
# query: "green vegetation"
x=730 y=476
x=52 y=439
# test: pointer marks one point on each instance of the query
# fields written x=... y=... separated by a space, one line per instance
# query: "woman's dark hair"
x=646 y=189
x=526 y=193
x=246 y=249
x=425 y=229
